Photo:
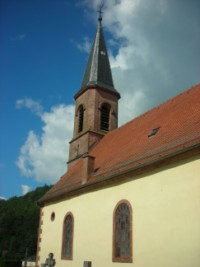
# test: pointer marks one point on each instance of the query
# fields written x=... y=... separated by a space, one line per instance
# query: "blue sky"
x=154 y=55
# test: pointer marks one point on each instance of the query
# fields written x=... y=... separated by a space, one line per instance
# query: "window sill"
x=123 y=259
x=69 y=258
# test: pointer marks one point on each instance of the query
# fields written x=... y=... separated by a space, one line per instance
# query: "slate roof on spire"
x=98 y=71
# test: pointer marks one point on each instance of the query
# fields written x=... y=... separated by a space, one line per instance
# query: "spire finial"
x=100 y=11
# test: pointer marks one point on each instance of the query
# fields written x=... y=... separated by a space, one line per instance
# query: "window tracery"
x=122 y=236
x=68 y=229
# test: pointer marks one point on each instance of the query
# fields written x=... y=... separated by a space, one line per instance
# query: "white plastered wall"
x=166 y=221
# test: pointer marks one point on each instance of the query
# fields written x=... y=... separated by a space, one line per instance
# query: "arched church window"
x=67 y=243
x=122 y=232
x=80 y=118
x=105 y=117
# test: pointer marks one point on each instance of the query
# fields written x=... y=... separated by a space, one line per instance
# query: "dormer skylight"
x=154 y=131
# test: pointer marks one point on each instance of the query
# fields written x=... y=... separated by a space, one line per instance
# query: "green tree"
x=19 y=220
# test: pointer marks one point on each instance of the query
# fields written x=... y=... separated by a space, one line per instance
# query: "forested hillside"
x=19 y=218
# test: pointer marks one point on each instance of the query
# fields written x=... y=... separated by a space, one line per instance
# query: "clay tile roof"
x=166 y=129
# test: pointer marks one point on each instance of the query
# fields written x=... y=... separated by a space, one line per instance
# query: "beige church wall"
x=166 y=221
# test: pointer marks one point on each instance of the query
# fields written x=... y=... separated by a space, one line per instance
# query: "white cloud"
x=25 y=189
x=44 y=157
x=29 y=103
x=157 y=54
x=155 y=58
x=84 y=46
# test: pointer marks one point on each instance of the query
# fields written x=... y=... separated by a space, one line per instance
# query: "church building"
x=131 y=195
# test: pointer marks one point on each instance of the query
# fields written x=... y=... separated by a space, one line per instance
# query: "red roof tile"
x=129 y=146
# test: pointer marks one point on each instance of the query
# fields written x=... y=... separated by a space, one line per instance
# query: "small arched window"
x=80 y=118
x=68 y=231
x=122 y=232
x=105 y=117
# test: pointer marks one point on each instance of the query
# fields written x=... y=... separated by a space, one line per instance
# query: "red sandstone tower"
x=96 y=106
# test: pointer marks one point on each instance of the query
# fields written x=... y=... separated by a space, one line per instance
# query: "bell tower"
x=96 y=103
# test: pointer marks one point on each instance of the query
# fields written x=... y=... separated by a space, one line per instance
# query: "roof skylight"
x=153 y=131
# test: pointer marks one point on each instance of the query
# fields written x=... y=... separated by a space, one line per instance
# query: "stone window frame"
x=63 y=256
x=128 y=259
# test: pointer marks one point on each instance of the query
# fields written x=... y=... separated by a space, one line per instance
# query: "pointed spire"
x=98 y=72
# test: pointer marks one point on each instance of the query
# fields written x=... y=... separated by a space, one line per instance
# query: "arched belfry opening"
x=80 y=118
x=105 y=117
x=96 y=101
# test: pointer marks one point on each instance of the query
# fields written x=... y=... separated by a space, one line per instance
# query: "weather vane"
x=100 y=11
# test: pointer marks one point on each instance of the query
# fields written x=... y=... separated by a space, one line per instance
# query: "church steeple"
x=98 y=71
x=96 y=107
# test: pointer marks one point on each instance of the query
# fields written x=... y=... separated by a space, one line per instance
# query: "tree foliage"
x=19 y=220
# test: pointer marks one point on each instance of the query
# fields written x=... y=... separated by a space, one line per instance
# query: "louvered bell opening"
x=105 y=112
x=81 y=116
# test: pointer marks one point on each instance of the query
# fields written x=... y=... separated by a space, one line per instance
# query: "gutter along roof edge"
x=138 y=161
x=80 y=189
